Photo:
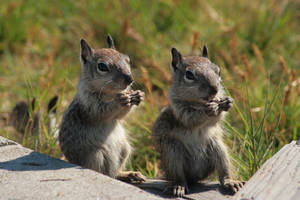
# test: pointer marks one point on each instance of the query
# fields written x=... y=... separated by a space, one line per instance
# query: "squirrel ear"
x=205 y=51
x=52 y=104
x=176 y=58
x=110 y=42
x=86 y=50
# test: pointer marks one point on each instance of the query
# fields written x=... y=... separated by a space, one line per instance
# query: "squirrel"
x=188 y=132
x=20 y=117
x=91 y=134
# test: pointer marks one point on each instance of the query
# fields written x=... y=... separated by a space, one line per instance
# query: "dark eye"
x=189 y=76
x=102 y=68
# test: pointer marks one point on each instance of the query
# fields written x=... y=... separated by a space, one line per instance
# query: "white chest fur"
x=197 y=141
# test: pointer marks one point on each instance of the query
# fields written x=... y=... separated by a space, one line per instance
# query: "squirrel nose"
x=213 y=90
x=128 y=79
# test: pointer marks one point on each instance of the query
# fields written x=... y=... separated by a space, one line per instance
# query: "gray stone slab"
x=25 y=174
x=277 y=179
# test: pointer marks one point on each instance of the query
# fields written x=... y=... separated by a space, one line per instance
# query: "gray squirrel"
x=91 y=134
x=188 y=133
x=20 y=117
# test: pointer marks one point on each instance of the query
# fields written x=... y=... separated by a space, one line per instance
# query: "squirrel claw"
x=129 y=99
x=179 y=190
x=232 y=186
x=136 y=177
x=137 y=97
x=124 y=99
x=212 y=109
x=132 y=177
x=176 y=190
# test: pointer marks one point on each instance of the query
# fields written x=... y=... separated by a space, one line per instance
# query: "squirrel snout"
x=213 y=90
x=128 y=79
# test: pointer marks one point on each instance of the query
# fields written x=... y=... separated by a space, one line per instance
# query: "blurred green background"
x=256 y=44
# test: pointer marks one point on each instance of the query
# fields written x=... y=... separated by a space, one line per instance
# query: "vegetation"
x=256 y=44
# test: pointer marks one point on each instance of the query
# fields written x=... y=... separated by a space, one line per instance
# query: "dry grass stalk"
x=285 y=68
x=12 y=6
x=62 y=84
x=164 y=74
x=123 y=34
x=50 y=60
x=260 y=59
x=194 y=41
x=295 y=79
x=148 y=84
x=293 y=87
x=43 y=82
x=291 y=76
x=233 y=45
x=239 y=72
x=226 y=57
x=130 y=32
x=214 y=15
x=247 y=66
x=297 y=85
x=287 y=94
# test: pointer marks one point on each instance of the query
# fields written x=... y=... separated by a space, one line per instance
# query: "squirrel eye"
x=189 y=76
x=102 y=68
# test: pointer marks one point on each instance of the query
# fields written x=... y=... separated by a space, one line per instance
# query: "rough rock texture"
x=25 y=174
x=277 y=179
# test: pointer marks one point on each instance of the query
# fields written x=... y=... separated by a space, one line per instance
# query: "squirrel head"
x=105 y=70
x=195 y=78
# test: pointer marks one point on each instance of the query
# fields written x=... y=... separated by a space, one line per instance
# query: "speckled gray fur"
x=91 y=134
x=188 y=133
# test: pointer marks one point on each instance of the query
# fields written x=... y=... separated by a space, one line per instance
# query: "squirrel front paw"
x=136 y=97
x=124 y=99
x=214 y=108
x=232 y=186
x=131 y=98
x=225 y=104
x=131 y=177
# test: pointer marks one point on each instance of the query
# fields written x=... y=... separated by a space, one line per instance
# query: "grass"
x=256 y=44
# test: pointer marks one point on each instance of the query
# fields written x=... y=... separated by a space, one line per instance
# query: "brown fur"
x=188 y=133
x=91 y=134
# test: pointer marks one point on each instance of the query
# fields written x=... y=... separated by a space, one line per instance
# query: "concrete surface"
x=25 y=174
x=277 y=179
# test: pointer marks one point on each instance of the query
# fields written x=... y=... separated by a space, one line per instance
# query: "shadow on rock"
x=157 y=187
x=35 y=161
